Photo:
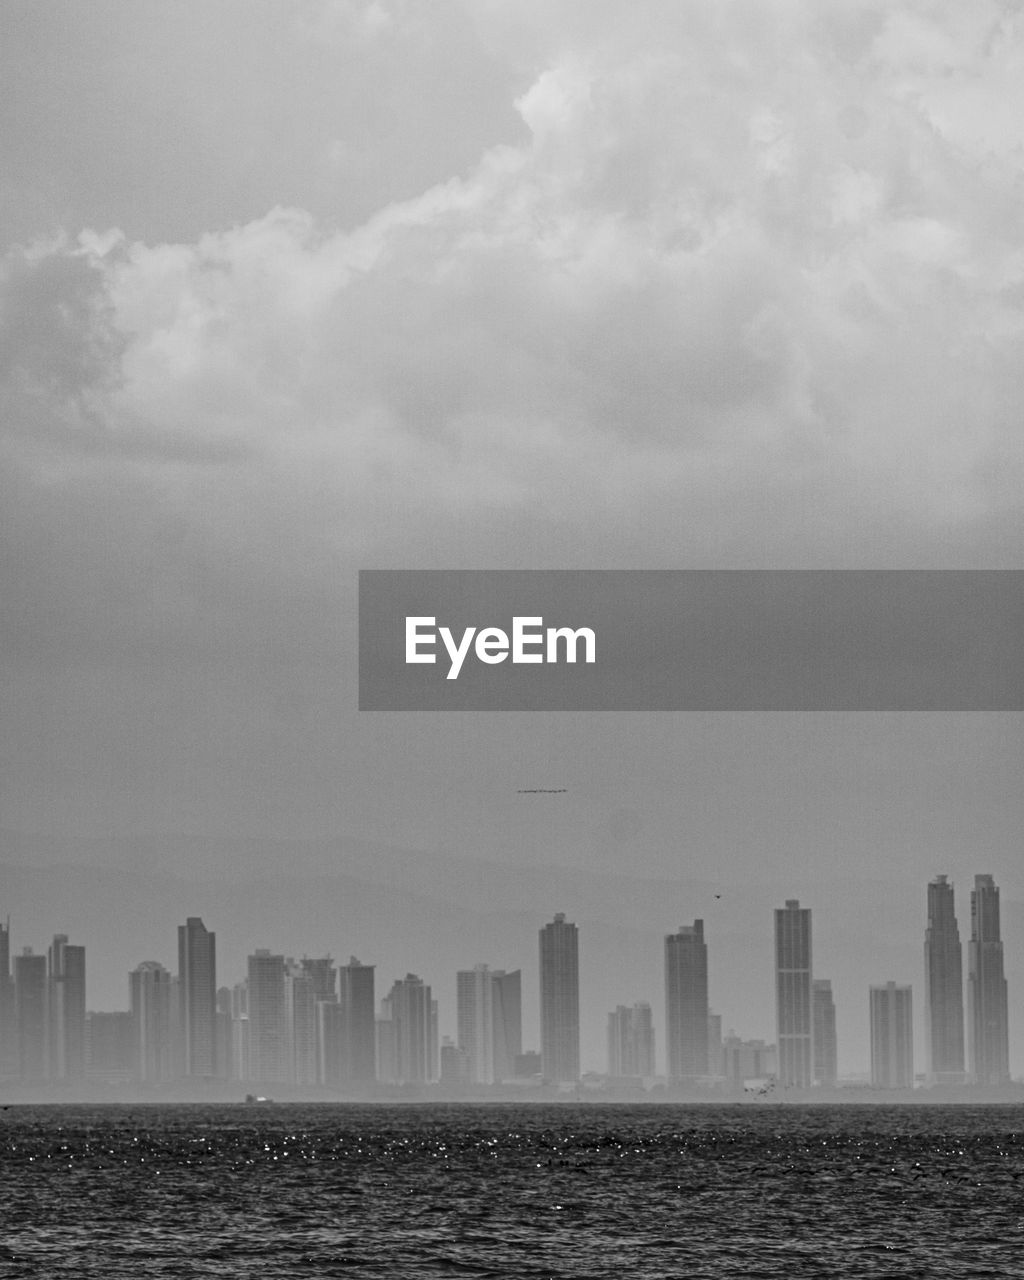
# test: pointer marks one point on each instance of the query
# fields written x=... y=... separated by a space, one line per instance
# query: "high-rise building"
x=31 y=1014
x=324 y=986
x=269 y=1039
x=150 y=994
x=475 y=1013
x=793 y=1009
x=686 y=1002
x=631 y=1041
x=197 y=998
x=507 y=1001
x=714 y=1043
x=560 y=1001
x=490 y=1034
x=892 y=1037
x=9 y=1064
x=355 y=1042
x=986 y=988
x=110 y=1047
x=414 y=1030
x=944 y=986
x=66 y=965
x=301 y=1021
x=826 y=1066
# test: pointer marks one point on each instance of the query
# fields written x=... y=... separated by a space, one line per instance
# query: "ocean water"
x=282 y=1191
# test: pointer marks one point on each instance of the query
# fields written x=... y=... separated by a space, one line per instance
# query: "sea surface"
x=536 y=1191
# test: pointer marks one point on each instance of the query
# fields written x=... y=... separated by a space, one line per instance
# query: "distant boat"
x=253 y=1097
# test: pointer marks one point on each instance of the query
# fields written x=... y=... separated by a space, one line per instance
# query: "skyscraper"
x=631 y=1041
x=150 y=989
x=793 y=979
x=475 y=1012
x=560 y=1001
x=66 y=966
x=507 y=999
x=269 y=1039
x=489 y=1011
x=197 y=998
x=824 y=1034
x=30 y=994
x=944 y=986
x=9 y=1066
x=986 y=990
x=357 y=1047
x=414 y=1030
x=686 y=1002
x=892 y=1037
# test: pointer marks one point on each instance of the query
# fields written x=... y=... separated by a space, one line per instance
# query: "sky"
x=290 y=290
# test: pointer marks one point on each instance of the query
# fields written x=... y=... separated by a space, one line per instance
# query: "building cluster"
x=312 y=1023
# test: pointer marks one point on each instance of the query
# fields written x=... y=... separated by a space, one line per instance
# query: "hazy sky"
x=291 y=289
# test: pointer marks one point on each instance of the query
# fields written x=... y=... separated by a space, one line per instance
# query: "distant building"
x=9 y=1056
x=150 y=995
x=348 y=1035
x=301 y=1022
x=631 y=1041
x=109 y=1047
x=507 y=999
x=892 y=1037
x=528 y=1065
x=714 y=1043
x=826 y=1066
x=197 y=998
x=475 y=1014
x=793 y=1010
x=560 y=1001
x=489 y=1013
x=944 y=987
x=986 y=989
x=686 y=1002
x=744 y=1060
x=270 y=1048
x=66 y=964
x=413 y=1017
x=31 y=1014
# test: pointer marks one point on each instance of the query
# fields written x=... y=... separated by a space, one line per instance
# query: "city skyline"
x=292 y=1022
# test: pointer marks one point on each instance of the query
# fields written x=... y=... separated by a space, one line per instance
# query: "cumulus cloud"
x=743 y=294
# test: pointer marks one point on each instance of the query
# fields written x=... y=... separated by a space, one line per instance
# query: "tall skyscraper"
x=560 y=1001
x=892 y=1037
x=826 y=1066
x=793 y=1009
x=686 y=1002
x=357 y=1055
x=66 y=966
x=269 y=1038
x=986 y=989
x=944 y=986
x=475 y=1012
x=197 y=998
x=9 y=1065
x=489 y=1011
x=150 y=994
x=31 y=1014
x=414 y=1030
x=300 y=1017
x=507 y=999
x=631 y=1041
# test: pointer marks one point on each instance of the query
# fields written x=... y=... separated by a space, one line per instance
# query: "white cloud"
x=740 y=293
